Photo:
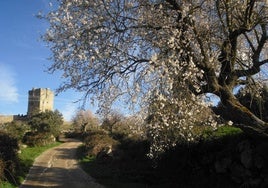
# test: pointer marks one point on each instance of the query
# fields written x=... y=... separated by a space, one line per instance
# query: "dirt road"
x=57 y=167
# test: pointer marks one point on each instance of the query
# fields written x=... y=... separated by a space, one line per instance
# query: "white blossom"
x=151 y=55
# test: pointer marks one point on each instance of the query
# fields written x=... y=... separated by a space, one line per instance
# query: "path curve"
x=58 y=167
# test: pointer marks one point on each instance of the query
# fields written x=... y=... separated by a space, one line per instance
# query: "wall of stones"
x=6 y=119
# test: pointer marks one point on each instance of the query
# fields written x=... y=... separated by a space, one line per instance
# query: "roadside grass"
x=221 y=132
x=7 y=185
x=128 y=173
x=26 y=160
x=28 y=155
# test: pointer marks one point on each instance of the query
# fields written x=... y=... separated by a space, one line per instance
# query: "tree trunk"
x=243 y=117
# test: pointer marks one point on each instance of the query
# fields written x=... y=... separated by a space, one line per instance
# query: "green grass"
x=26 y=159
x=221 y=132
x=6 y=185
x=28 y=155
x=227 y=131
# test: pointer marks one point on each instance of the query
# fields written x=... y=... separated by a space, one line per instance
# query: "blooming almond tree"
x=167 y=52
x=85 y=120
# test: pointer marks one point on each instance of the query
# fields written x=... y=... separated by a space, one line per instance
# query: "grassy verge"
x=26 y=159
x=7 y=185
x=28 y=155
x=221 y=132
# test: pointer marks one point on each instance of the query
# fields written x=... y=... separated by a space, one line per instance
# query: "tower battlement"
x=40 y=100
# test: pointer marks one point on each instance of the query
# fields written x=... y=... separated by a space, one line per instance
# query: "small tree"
x=84 y=120
x=47 y=122
x=110 y=120
x=133 y=125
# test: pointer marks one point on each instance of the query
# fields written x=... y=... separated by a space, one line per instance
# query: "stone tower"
x=40 y=100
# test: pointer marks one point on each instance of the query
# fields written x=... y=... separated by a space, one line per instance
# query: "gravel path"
x=58 y=167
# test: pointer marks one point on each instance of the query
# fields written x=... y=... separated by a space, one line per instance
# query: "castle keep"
x=40 y=100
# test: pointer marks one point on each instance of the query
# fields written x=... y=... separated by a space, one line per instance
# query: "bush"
x=48 y=122
x=126 y=166
x=132 y=157
x=99 y=141
x=73 y=134
x=225 y=158
x=2 y=169
x=8 y=156
x=16 y=129
x=38 y=139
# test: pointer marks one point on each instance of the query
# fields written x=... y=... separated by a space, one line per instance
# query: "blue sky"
x=24 y=58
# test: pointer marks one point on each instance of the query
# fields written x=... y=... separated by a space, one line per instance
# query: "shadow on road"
x=58 y=167
x=58 y=177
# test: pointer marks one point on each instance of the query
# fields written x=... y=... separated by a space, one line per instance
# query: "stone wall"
x=6 y=119
x=10 y=118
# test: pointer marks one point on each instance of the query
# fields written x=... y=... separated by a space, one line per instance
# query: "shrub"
x=226 y=158
x=98 y=141
x=8 y=155
x=16 y=129
x=48 y=122
x=2 y=169
x=73 y=134
x=133 y=154
x=38 y=139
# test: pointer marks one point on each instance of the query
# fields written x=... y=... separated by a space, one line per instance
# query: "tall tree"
x=169 y=51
